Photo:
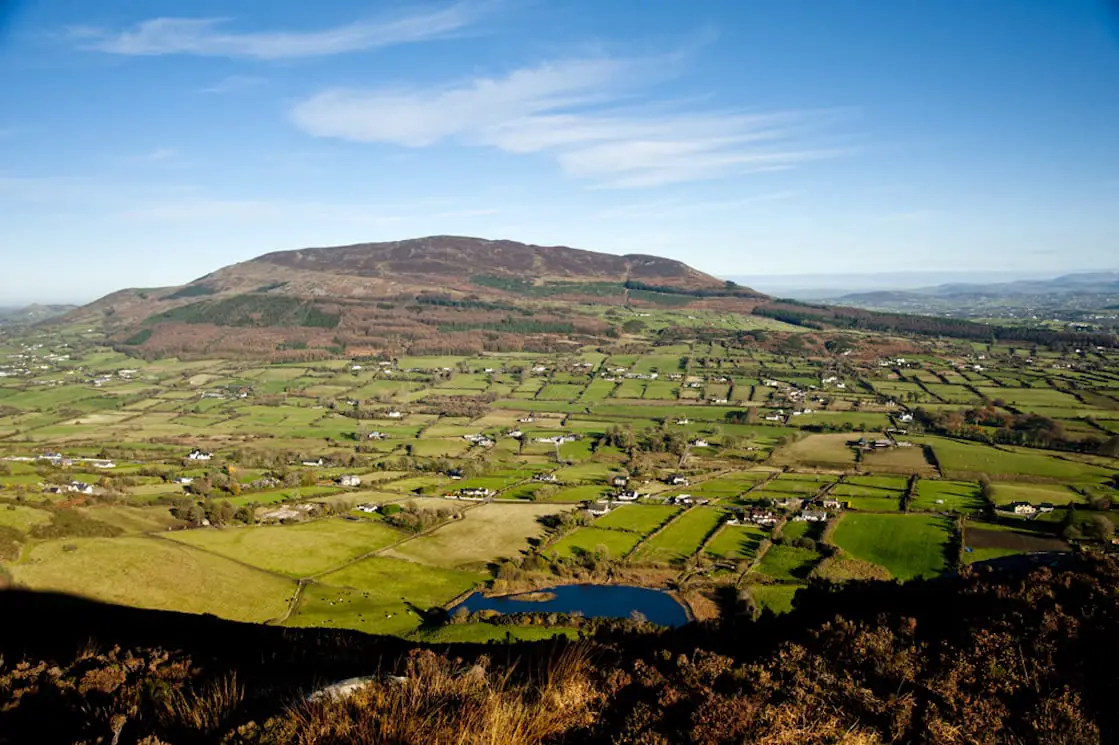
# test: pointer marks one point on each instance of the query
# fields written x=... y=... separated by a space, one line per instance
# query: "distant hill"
x=1094 y=282
x=440 y=294
x=1072 y=297
x=32 y=313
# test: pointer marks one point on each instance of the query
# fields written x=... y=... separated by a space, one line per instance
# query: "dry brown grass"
x=205 y=710
x=443 y=702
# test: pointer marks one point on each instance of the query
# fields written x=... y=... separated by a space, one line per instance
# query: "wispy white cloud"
x=681 y=208
x=234 y=210
x=233 y=84
x=211 y=37
x=585 y=113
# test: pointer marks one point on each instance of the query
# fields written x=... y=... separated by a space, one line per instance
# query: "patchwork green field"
x=485 y=534
x=153 y=573
x=638 y=518
x=295 y=550
x=907 y=546
x=682 y=538
x=335 y=471
x=787 y=563
x=591 y=541
x=736 y=542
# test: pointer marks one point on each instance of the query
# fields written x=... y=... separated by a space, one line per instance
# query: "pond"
x=593 y=601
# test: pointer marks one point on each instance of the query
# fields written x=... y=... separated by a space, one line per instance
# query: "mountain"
x=32 y=313
x=445 y=257
x=446 y=294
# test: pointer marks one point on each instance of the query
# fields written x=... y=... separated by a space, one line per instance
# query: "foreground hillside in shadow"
x=986 y=657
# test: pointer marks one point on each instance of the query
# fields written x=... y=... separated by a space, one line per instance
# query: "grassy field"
x=380 y=595
x=617 y=543
x=736 y=542
x=21 y=517
x=638 y=518
x=829 y=450
x=787 y=563
x=1006 y=492
x=682 y=538
x=938 y=495
x=907 y=546
x=485 y=534
x=150 y=419
x=963 y=458
x=801 y=529
x=293 y=550
x=774 y=598
x=154 y=573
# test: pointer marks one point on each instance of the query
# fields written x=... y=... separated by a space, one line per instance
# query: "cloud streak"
x=587 y=114
x=253 y=210
x=211 y=37
x=680 y=208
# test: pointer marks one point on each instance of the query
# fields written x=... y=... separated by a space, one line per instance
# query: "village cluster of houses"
x=61 y=461
x=880 y=444
x=558 y=439
x=1029 y=510
x=480 y=440
x=472 y=494
x=74 y=487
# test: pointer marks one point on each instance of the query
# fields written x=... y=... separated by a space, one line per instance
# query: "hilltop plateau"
x=437 y=294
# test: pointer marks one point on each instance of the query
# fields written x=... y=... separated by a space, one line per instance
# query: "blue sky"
x=146 y=144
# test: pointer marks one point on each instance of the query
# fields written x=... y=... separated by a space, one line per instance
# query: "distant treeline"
x=991 y=425
x=730 y=289
x=824 y=317
x=251 y=310
x=445 y=301
x=191 y=291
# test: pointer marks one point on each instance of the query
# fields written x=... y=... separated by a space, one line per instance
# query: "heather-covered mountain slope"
x=985 y=657
x=438 y=294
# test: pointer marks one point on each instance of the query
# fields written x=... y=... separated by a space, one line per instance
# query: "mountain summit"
x=458 y=257
x=447 y=294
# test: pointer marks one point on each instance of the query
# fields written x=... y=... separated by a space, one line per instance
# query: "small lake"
x=593 y=601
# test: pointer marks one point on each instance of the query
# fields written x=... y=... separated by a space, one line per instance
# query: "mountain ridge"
x=446 y=294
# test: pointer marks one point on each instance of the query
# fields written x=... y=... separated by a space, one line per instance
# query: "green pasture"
x=907 y=546
x=637 y=518
x=787 y=563
x=293 y=550
x=948 y=496
x=774 y=598
x=154 y=573
x=380 y=595
x=682 y=537
x=617 y=543
x=736 y=542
